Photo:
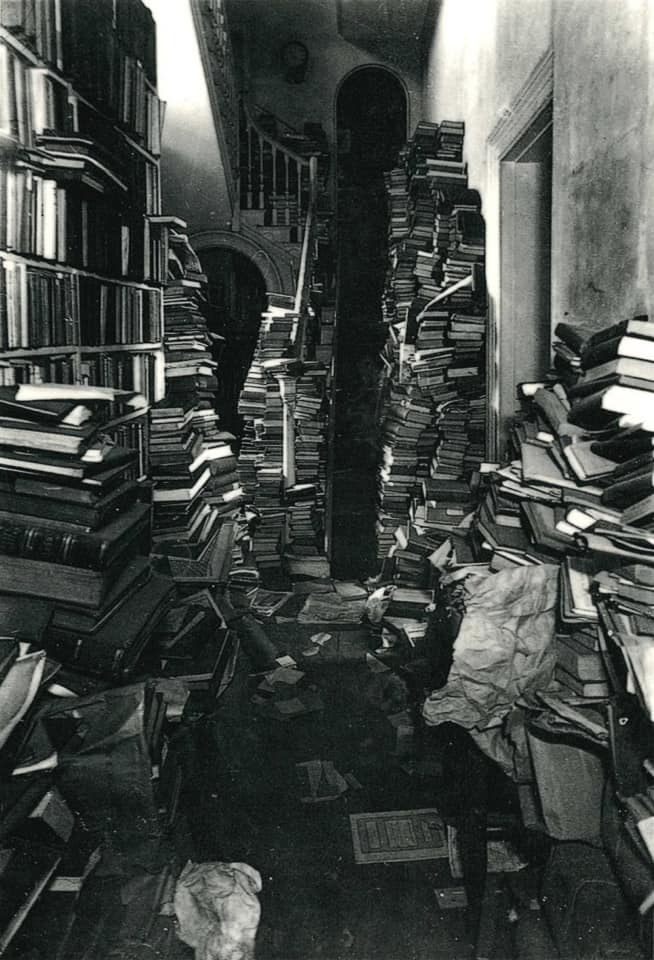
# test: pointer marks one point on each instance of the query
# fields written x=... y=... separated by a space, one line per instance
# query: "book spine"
x=53 y=546
x=627 y=491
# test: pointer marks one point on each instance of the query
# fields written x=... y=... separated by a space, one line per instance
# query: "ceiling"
x=369 y=23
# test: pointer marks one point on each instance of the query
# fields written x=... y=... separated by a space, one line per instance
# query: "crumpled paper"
x=504 y=649
x=218 y=910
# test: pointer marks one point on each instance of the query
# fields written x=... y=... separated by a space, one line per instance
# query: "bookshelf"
x=83 y=246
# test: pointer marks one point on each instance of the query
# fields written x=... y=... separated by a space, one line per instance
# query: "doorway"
x=371 y=115
x=523 y=348
x=371 y=119
x=236 y=294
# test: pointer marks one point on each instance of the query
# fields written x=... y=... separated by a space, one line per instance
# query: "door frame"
x=515 y=120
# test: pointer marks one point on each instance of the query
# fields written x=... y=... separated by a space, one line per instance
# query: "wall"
x=266 y=26
x=193 y=179
x=602 y=233
x=603 y=174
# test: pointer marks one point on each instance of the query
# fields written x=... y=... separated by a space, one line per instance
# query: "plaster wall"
x=192 y=174
x=481 y=55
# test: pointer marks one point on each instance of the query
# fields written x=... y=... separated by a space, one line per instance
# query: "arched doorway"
x=371 y=119
x=371 y=116
x=236 y=292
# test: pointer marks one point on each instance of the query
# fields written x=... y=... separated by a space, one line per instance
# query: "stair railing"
x=273 y=178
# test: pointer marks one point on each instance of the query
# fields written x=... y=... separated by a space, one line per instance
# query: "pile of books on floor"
x=91 y=788
x=79 y=605
x=433 y=404
x=579 y=494
x=195 y=480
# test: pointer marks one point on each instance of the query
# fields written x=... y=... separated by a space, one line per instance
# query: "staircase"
x=266 y=161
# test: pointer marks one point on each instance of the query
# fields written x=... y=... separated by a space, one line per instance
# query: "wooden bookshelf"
x=83 y=246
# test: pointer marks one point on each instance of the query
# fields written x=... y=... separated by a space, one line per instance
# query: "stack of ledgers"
x=434 y=388
x=196 y=485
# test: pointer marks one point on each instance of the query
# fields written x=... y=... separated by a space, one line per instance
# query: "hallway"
x=360 y=337
x=244 y=805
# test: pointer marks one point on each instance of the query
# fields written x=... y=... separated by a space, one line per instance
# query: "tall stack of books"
x=261 y=455
x=195 y=481
x=408 y=416
x=252 y=407
x=298 y=348
x=434 y=355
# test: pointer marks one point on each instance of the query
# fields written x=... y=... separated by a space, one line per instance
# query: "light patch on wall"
x=181 y=82
x=193 y=175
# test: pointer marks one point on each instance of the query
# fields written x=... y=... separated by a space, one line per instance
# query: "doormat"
x=398 y=835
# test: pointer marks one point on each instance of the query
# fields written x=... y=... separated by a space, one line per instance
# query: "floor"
x=245 y=806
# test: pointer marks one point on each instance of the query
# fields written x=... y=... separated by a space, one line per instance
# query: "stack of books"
x=304 y=531
x=408 y=417
x=434 y=355
x=251 y=407
x=290 y=522
x=310 y=414
x=325 y=346
x=579 y=493
x=397 y=193
x=195 y=480
x=74 y=531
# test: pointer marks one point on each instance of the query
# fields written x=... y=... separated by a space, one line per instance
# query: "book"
x=620 y=346
x=582 y=688
x=621 y=367
x=57 y=505
x=577 y=660
x=624 y=444
x=88 y=620
x=69 y=412
x=585 y=463
x=48 y=465
x=25 y=537
x=629 y=489
x=53 y=581
x=114 y=649
x=638 y=326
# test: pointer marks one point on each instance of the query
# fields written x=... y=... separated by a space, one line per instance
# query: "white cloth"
x=218 y=910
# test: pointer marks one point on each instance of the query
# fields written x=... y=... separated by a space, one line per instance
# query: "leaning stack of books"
x=434 y=350
x=261 y=455
x=189 y=345
x=195 y=483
